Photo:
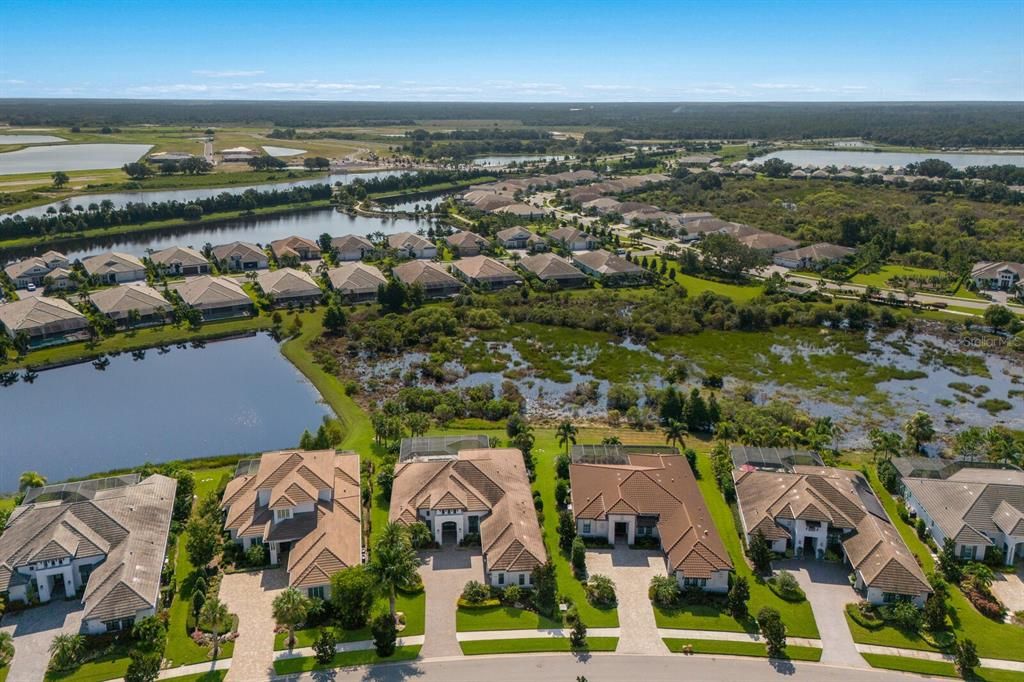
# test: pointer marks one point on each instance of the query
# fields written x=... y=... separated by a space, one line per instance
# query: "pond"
x=150 y=196
x=422 y=200
x=282 y=151
x=29 y=139
x=237 y=396
x=505 y=159
x=66 y=157
x=259 y=230
x=867 y=159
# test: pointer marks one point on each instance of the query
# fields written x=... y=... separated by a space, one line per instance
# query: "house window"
x=256 y=541
x=501 y=578
x=84 y=571
x=968 y=551
x=316 y=592
x=695 y=582
x=522 y=578
x=119 y=625
x=282 y=514
x=586 y=526
x=474 y=524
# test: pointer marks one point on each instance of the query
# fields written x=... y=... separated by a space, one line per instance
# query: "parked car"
x=31 y=286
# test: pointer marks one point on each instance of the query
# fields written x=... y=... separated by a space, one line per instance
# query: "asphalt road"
x=604 y=668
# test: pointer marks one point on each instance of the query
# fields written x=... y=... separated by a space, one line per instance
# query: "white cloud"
x=206 y=73
x=610 y=87
x=13 y=81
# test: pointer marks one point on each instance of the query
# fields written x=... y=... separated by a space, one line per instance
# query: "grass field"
x=501 y=618
x=533 y=645
x=709 y=646
x=741 y=293
x=294 y=666
x=939 y=668
x=212 y=676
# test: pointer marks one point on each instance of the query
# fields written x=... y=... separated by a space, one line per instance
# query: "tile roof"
x=293 y=246
x=111 y=262
x=179 y=254
x=607 y=263
x=548 y=266
x=485 y=269
x=427 y=274
x=118 y=301
x=288 y=282
x=408 y=241
x=242 y=250
x=970 y=504
x=41 y=314
x=815 y=252
x=356 y=278
x=465 y=238
x=991 y=270
x=208 y=292
x=352 y=242
x=654 y=485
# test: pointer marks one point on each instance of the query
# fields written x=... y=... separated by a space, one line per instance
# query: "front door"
x=449 y=533
x=621 y=531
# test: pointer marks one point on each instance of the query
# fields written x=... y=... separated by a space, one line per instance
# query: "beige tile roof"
x=514 y=233
x=208 y=292
x=491 y=481
x=843 y=499
x=548 y=266
x=816 y=252
x=325 y=540
x=485 y=269
x=352 y=242
x=292 y=246
x=129 y=524
x=243 y=250
x=19 y=268
x=288 y=282
x=427 y=274
x=990 y=270
x=408 y=240
x=112 y=262
x=41 y=315
x=654 y=485
x=179 y=254
x=607 y=263
x=117 y=301
x=356 y=278
x=464 y=238
x=767 y=240
x=966 y=506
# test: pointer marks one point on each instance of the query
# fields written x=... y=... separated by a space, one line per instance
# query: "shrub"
x=787 y=587
x=994 y=556
x=420 y=535
x=561 y=493
x=513 y=595
x=903 y=615
x=600 y=590
x=385 y=634
x=352 y=594
x=965 y=655
x=562 y=466
x=664 y=590
x=934 y=613
x=324 y=646
x=760 y=553
x=66 y=651
x=579 y=557
x=566 y=529
x=256 y=555
x=144 y=666
x=739 y=595
x=578 y=636
x=985 y=604
x=475 y=592
x=921 y=528
x=773 y=631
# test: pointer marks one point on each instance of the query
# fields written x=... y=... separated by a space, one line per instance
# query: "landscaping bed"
x=533 y=645
x=293 y=666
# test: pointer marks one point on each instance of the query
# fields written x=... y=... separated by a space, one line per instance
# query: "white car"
x=31 y=287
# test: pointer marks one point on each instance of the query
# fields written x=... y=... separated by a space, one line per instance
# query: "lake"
x=66 y=157
x=150 y=196
x=236 y=396
x=29 y=139
x=821 y=157
x=504 y=160
x=260 y=230
x=282 y=151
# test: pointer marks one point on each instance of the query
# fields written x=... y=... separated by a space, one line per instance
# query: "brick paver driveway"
x=33 y=630
x=445 y=572
x=1009 y=589
x=828 y=590
x=632 y=570
x=250 y=597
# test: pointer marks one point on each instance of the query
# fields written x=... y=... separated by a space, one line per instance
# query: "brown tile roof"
x=112 y=262
x=292 y=246
x=484 y=480
x=654 y=485
x=843 y=499
x=465 y=238
x=244 y=250
x=607 y=263
x=818 y=252
x=325 y=540
x=548 y=266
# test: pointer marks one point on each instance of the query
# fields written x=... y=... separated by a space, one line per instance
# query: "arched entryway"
x=449 y=533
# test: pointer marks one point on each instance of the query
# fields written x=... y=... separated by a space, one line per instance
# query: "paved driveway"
x=632 y=570
x=33 y=630
x=828 y=590
x=250 y=597
x=445 y=572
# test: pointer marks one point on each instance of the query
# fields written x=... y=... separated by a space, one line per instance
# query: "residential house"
x=240 y=257
x=751 y=457
x=430 y=276
x=768 y=242
x=46 y=321
x=411 y=245
x=35 y=270
x=521 y=238
x=482 y=492
x=465 y=244
x=625 y=493
x=60 y=279
x=114 y=268
x=979 y=508
x=698 y=227
x=486 y=272
x=181 y=261
x=1004 y=275
x=356 y=281
x=287 y=286
x=572 y=239
x=813 y=257
x=295 y=248
x=237 y=155
x=104 y=538
x=551 y=268
x=813 y=510
x=609 y=268
x=304 y=507
x=117 y=303
x=521 y=210
x=215 y=297
x=602 y=205
x=351 y=247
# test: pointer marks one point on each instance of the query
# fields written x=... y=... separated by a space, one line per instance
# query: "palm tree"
x=675 y=433
x=566 y=433
x=393 y=563
x=214 y=616
x=290 y=609
x=31 y=479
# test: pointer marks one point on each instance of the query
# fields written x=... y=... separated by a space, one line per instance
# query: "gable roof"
x=19 y=268
x=427 y=274
x=179 y=254
x=287 y=282
x=991 y=270
x=356 y=278
x=118 y=301
x=549 y=266
x=465 y=238
x=489 y=481
x=817 y=252
x=408 y=241
x=112 y=262
x=607 y=263
x=208 y=291
x=242 y=250
x=485 y=269
x=654 y=485
x=41 y=313
x=351 y=242
x=291 y=246
x=970 y=505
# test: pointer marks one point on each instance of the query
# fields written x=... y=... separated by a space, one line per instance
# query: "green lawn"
x=292 y=666
x=181 y=650
x=708 y=646
x=3 y=673
x=798 y=617
x=881 y=278
x=109 y=667
x=741 y=293
x=939 y=668
x=994 y=640
x=533 y=645
x=887 y=636
x=501 y=618
x=412 y=605
x=212 y=676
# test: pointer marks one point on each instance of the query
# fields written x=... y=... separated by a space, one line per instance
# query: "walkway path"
x=997 y=663
x=723 y=636
x=250 y=596
x=827 y=586
x=632 y=570
x=445 y=572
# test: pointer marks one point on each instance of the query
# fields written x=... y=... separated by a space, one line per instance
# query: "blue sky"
x=518 y=50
